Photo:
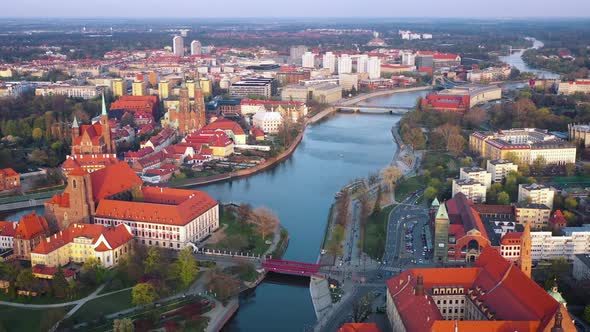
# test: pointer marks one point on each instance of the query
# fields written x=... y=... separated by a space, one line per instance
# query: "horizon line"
x=300 y=17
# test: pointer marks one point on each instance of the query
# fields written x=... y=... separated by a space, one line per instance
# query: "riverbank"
x=241 y=173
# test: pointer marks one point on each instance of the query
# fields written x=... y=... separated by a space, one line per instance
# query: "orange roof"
x=359 y=327
x=50 y=271
x=516 y=301
x=160 y=206
x=9 y=172
x=31 y=226
x=112 y=237
x=113 y=179
x=488 y=326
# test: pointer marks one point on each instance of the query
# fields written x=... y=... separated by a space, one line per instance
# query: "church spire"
x=104 y=107
x=557 y=323
x=75 y=123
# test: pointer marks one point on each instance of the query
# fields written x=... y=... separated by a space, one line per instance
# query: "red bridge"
x=290 y=267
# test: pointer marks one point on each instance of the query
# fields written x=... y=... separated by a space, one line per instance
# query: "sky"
x=294 y=8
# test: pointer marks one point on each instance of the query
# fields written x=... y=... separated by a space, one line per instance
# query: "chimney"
x=419 y=289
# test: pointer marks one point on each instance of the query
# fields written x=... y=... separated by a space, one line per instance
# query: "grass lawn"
x=571 y=179
x=376 y=233
x=20 y=319
x=45 y=299
x=408 y=185
x=103 y=306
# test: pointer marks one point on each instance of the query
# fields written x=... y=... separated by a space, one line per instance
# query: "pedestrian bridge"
x=290 y=267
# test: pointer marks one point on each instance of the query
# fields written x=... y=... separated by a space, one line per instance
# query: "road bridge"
x=290 y=267
x=375 y=109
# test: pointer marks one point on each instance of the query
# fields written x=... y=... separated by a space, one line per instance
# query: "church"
x=93 y=146
x=187 y=118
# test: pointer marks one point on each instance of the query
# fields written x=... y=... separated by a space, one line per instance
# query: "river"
x=515 y=60
x=300 y=190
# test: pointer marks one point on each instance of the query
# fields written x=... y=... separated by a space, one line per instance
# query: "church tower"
x=75 y=131
x=106 y=129
x=525 y=259
x=441 y=234
x=199 y=107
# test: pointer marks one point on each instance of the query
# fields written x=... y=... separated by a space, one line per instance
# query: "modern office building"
x=308 y=60
x=344 y=64
x=374 y=68
x=258 y=86
x=329 y=62
x=178 y=46
x=196 y=47
x=362 y=63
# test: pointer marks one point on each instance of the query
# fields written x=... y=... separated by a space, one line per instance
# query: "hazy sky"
x=294 y=8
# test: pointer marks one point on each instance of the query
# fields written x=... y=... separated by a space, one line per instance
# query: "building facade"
x=474 y=190
x=536 y=193
x=537 y=215
x=500 y=168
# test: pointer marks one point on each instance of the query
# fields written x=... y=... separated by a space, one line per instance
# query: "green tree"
x=39 y=157
x=25 y=279
x=37 y=134
x=503 y=198
x=59 y=283
x=587 y=313
x=430 y=192
x=123 y=325
x=539 y=164
x=153 y=262
x=570 y=169
x=186 y=267
x=570 y=203
x=570 y=217
x=143 y=293
x=377 y=206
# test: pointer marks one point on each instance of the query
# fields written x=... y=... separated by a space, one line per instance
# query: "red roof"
x=511 y=238
x=224 y=124
x=494 y=285
x=8 y=172
x=359 y=327
x=31 y=226
x=557 y=219
x=7 y=228
x=50 y=271
x=113 y=179
x=160 y=206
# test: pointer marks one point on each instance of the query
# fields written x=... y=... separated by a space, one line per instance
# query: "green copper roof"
x=104 y=107
x=556 y=295
x=435 y=202
x=442 y=212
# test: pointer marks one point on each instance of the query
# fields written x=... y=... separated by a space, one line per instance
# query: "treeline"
x=35 y=130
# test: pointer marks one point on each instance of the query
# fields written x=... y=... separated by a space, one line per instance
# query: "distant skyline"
x=292 y=8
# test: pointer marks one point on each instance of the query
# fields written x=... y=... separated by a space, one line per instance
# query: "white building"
x=374 y=68
x=546 y=246
x=581 y=267
x=268 y=122
x=344 y=64
x=70 y=91
x=308 y=60
x=476 y=174
x=500 y=168
x=577 y=86
x=408 y=58
x=362 y=63
x=348 y=81
x=196 y=47
x=7 y=232
x=178 y=46
x=536 y=193
x=329 y=62
x=474 y=190
x=165 y=217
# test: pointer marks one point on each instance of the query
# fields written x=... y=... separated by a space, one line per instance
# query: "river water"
x=300 y=190
x=515 y=60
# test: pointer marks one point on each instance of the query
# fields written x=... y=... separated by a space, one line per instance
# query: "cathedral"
x=187 y=118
